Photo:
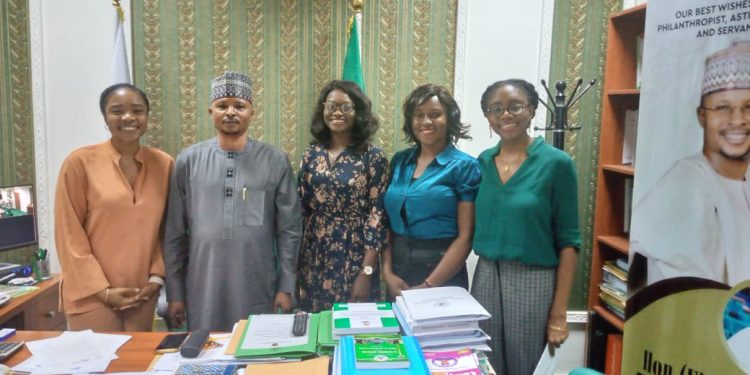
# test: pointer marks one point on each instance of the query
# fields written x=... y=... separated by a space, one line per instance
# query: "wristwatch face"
x=367 y=270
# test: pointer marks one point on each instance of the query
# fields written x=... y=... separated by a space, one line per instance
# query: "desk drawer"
x=43 y=314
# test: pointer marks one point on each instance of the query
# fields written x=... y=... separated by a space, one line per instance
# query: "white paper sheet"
x=547 y=363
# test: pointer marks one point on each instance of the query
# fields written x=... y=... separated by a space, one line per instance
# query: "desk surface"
x=135 y=355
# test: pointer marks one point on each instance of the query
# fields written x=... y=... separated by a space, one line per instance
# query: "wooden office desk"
x=37 y=310
x=135 y=355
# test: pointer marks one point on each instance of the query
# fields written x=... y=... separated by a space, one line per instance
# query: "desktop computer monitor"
x=17 y=217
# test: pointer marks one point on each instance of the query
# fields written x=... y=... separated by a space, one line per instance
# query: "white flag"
x=120 y=66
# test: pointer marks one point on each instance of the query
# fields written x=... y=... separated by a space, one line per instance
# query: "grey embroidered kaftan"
x=232 y=232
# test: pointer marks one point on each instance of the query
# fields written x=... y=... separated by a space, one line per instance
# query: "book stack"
x=614 y=289
x=358 y=318
x=378 y=354
x=443 y=319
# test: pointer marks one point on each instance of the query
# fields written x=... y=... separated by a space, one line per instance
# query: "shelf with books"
x=617 y=139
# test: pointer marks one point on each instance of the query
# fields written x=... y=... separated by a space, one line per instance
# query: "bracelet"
x=556 y=328
x=427 y=282
x=106 y=295
x=156 y=280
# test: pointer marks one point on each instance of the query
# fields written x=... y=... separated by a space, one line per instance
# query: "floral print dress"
x=343 y=216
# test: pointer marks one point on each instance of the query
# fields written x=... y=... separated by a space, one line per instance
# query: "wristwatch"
x=367 y=270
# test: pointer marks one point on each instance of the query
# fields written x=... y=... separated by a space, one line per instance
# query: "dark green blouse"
x=535 y=214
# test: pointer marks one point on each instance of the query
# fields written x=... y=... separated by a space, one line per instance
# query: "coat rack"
x=559 y=115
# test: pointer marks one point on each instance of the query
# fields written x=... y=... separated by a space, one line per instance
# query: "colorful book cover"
x=417 y=365
x=380 y=351
x=454 y=362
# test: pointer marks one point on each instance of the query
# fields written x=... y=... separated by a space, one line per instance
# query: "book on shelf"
x=380 y=351
x=617 y=295
x=615 y=283
x=452 y=362
x=638 y=59
x=630 y=137
x=612 y=267
x=627 y=204
x=623 y=264
x=356 y=318
x=612 y=305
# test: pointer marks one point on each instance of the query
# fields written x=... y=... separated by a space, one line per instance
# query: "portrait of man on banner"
x=694 y=220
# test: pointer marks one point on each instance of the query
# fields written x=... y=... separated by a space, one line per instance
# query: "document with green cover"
x=326 y=341
x=270 y=335
x=357 y=318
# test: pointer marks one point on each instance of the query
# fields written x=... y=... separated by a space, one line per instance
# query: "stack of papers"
x=72 y=353
x=445 y=318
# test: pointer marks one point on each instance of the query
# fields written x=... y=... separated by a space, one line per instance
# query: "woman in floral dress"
x=342 y=180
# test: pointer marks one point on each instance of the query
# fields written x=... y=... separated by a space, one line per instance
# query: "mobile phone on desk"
x=171 y=343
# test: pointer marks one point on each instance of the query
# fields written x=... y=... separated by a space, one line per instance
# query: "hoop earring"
x=490 y=127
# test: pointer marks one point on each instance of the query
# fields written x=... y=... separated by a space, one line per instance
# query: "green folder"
x=292 y=351
x=326 y=341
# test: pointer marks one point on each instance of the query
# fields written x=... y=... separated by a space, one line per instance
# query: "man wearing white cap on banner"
x=696 y=220
x=234 y=223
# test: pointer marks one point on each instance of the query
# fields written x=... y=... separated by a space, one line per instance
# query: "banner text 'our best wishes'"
x=731 y=17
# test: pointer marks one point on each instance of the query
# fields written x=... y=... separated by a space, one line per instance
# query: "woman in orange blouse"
x=109 y=205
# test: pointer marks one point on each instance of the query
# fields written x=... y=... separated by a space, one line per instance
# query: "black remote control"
x=300 y=324
x=194 y=344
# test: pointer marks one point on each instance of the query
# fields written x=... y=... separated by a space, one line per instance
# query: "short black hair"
x=365 y=122
x=104 y=97
x=520 y=84
x=456 y=130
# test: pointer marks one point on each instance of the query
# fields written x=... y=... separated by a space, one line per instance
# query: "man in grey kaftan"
x=233 y=224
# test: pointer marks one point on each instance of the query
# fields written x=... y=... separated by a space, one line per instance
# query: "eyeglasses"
x=726 y=111
x=345 y=108
x=513 y=109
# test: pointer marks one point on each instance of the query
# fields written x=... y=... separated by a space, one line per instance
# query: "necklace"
x=506 y=165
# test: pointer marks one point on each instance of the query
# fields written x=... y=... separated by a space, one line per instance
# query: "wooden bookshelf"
x=611 y=240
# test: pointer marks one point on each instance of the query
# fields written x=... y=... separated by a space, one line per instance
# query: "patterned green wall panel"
x=290 y=48
x=16 y=119
x=578 y=51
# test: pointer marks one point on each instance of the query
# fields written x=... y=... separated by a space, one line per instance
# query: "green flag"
x=353 y=59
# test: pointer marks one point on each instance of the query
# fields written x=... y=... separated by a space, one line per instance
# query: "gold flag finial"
x=358 y=5
x=120 y=12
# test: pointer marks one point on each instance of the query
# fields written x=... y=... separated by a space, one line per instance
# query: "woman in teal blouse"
x=430 y=200
x=526 y=234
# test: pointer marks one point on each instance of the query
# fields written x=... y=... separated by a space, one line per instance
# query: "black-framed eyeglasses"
x=497 y=110
x=331 y=107
x=726 y=110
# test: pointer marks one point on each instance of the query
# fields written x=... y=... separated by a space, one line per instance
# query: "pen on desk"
x=244 y=190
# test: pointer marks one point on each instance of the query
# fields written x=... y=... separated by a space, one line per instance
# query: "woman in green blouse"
x=526 y=232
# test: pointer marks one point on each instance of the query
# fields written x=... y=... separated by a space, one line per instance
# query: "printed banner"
x=691 y=197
